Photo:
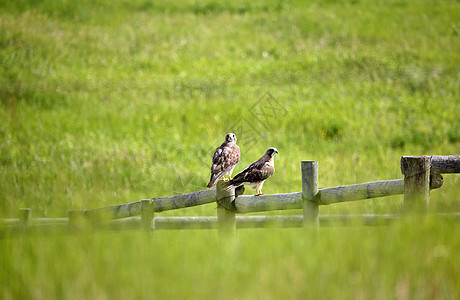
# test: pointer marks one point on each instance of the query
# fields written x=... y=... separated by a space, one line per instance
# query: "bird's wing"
x=255 y=172
x=225 y=157
x=217 y=157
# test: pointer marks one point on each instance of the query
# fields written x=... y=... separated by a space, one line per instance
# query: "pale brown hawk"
x=224 y=159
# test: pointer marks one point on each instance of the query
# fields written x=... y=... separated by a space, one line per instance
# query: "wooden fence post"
x=310 y=192
x=225 y=211
x=24 y=217
x=416 y=170
x=147 y=215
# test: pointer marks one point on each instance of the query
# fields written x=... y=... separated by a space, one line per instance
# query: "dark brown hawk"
x=224 y=159
x=256 y=173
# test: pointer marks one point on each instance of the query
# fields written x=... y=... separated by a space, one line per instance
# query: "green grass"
x=414 y=259
x=108 y=102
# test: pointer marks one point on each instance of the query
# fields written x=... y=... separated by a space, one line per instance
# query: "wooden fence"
x=421 y=173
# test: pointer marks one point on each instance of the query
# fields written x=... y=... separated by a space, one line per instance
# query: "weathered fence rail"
x=421 y=173
x=325 y=196
x=447 y=164
x=159 y=204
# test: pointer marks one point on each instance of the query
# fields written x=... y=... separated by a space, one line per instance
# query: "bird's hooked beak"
x=273 y=152
x=230 y=137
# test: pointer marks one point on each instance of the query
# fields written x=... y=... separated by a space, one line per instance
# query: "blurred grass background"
x=107 y=102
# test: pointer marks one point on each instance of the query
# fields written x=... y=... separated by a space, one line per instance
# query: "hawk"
x=256 y=173
x=224 y=159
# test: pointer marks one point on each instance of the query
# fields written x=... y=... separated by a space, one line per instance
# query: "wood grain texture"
x=416 y=170
x=225 y=210
x=310 y=192
x=445 y=164
x=326 y=196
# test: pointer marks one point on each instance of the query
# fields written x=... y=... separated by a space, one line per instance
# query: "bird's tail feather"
x=214 y=178
x=229 y=185
x=212 y=181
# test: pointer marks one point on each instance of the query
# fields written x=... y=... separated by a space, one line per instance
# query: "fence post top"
x=411 y=165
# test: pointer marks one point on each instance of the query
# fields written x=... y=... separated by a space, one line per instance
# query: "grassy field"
x=107 y=102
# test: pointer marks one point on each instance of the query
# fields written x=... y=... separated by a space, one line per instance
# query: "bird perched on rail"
x=224 y=159
x=256 y=173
